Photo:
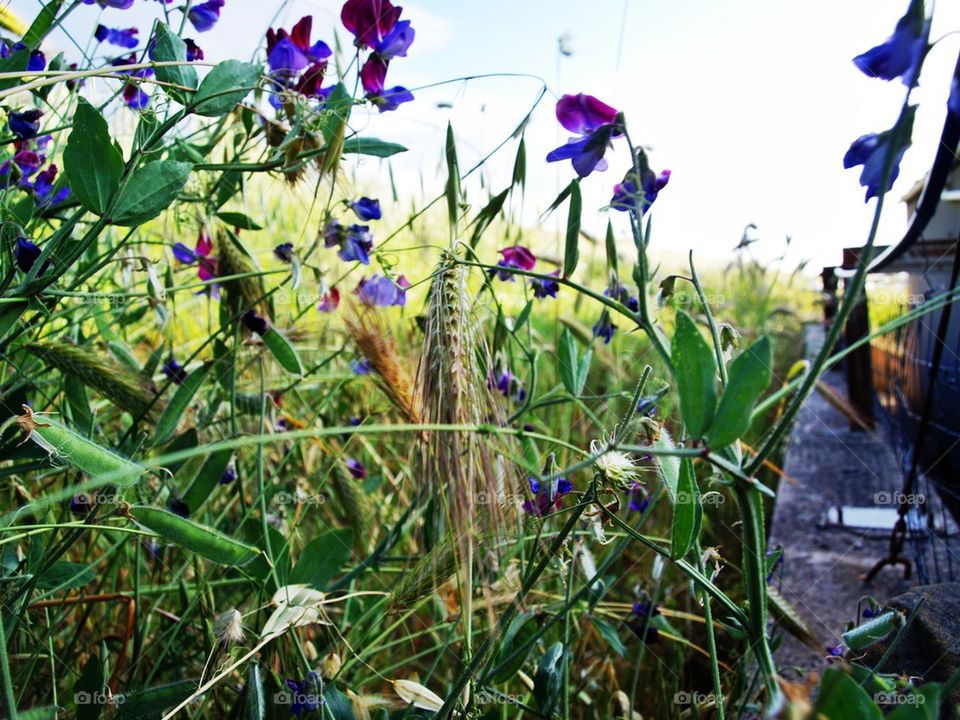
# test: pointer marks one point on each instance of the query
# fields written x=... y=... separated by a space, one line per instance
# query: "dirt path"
x=823 y=567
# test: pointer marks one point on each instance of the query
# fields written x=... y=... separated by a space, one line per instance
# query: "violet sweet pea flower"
x=366 y=208
x=369 y=21
x=515 y=257
x=284 y=252
x=953 y=102
x=26 y=254
x=292 y=52
x=43 y=187
x=396 y=42
x=174 y=371
x=626 y=196
x=871 y=152
x=122 y=38
x=329 y=301
x=391 y=98
x=255 y=323
x=381 y=291
x=604 y=328
x=360 y=366
x=194 y=52
x=356 y=468
x=547 y=496
x=207 y=266
x=26 y=124
x=543 y=288
x=357 y=245
x=205 y=15
x=595 y=121
x=901 y=55
x=117 y=4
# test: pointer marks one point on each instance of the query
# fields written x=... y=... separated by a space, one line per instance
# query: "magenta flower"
x=515 y=257
x=369 y=20
x=194 y=51
x=292 y=52
x=547 y=497
x=596 y=124
x=118 y=4
x=206 y=265
x=583 y=114
x=329 y=301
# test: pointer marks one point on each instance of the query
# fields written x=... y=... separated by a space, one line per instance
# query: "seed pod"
x=63 y=443
x=110 y=379
x=244 y=293
x=202 y=540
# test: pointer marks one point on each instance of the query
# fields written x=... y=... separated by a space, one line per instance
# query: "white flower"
x=618 y=467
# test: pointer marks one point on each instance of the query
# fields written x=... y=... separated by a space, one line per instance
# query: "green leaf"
x=695 y=372
x=571 y=255
x=687 y=511
x=669 y=465
x=255 y=702
x=519 y=178
x=42 y=23
x=179 y=402
x=518 y=633
x=487 y=215
x=283 y=352
x=548 y=682
x=191 y=536
x=224 y=86
x=16 y=62
x=842 y=698
x=168 y=47
x=923 y=703
x=609 y=633
x=206 y=479
x=10 y=313
x=62 y=575
x=239 y=220
x=372 y=147
x=152 y=701
x=611 y=245
x=151 y=189
x=749 y=376
x=48 y=712
x=339 y=705
x=92 y=160
x=568 y=363
x=88 y=692
x=322 y=559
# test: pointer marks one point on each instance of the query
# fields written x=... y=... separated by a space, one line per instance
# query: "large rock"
x=930 y=646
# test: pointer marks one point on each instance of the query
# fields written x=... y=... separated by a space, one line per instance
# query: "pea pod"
x=178 y=404
x=282 y=351
x=191 y=536
x=65 y=444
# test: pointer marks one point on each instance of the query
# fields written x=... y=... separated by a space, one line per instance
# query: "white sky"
x=751 y=103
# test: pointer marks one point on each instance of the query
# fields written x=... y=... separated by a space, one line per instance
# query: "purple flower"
x=329 y=301
x=381 y=291
x=582 y=114
x=638 y=501
x=871 y=151
x=255 y=323
x=953 y=102
x=370 y=21
x=135 y=98
x=26 y=124
x=604 y=328
x=507 y=384
x=641 y=618
x=515 y=257
x=836 y=650
x=396 y=42
x=625 y=194
x=229 y=473
x=357 y=245
x=205 y=15
x=289 y=53
x=122 y=38
x=284 y=252
x=595 y=123
x=901 y=55
x=28 y=161
x=543 y=288
x=43 y=187
x=174 y=371
x=366 y=209
x=207 y=266
x=26 y=254
x=547 y=497
x=118 y=4
x=356 y=468
x=305 y=695
x=360 y=366
x=619 y=292
x=194 y=51
x=391 y=98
